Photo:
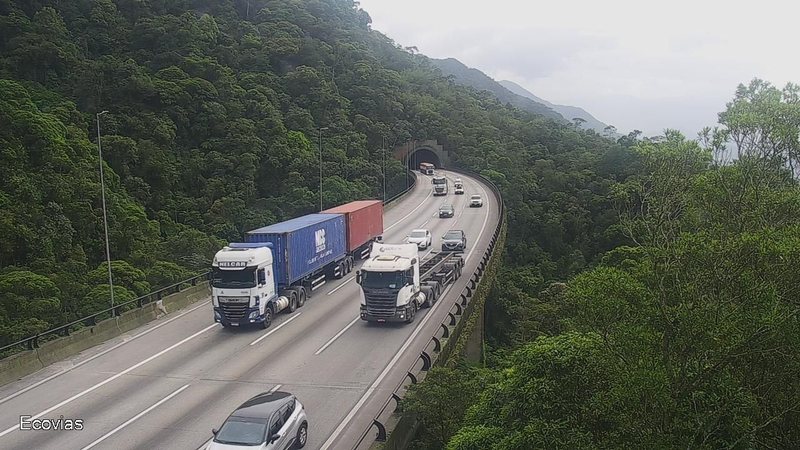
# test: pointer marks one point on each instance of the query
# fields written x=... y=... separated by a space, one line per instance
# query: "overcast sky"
x=673 y=65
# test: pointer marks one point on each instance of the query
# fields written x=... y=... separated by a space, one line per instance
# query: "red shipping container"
x=364 y=221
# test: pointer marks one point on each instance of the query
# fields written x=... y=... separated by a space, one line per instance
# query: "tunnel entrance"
x=421 y=155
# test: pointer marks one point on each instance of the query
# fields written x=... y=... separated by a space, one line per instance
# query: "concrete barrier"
x=22 y=364
x=396 y=201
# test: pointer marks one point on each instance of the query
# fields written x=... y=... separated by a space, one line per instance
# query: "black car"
x=446 y=210
x=454 y=240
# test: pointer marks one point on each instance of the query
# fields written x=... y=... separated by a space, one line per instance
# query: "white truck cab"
x=390 y=287
x=243 y=288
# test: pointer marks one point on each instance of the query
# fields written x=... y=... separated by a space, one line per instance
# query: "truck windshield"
x=382 y=280
x=234 y=278
x=440 y=180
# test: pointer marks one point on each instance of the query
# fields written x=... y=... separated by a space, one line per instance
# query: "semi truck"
x=439 y=186
x=395 y=284
x=279 y=266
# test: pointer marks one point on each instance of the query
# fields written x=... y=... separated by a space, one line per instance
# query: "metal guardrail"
x=32 y=342
x=457 y=310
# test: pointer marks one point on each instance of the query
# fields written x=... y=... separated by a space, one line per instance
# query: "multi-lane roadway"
x=167 y=384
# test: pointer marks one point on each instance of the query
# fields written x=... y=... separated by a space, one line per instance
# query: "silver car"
x=268 y=421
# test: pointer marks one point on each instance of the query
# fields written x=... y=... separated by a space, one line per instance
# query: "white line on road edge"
x=277 y=386
x=322 y=349
x=341 y=285
x=110 y=379
x=39 y=383
x=136 y=417
x=380 y=378
x=276 y=329
x=374 y=386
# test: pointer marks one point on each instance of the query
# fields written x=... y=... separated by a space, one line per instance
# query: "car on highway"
x=475 y=201
x=454 y=240
x=457 y=181
x=268 y=421
x=421 y=237
x=459 y=190
x=446 y=210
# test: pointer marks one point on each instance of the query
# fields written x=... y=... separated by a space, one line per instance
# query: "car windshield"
x=418 y=234
x=242 y=431
x=446 y=208
x=476 y=197
x=452 y=235
x=234 y=278
x=382 y=280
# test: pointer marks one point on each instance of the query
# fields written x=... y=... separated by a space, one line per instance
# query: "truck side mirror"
x=215 y=431
x=358 y=276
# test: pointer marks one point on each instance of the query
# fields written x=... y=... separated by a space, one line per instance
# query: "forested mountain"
x=476 y=79
x=568 y=112
x=212 y=129
x=649 y=293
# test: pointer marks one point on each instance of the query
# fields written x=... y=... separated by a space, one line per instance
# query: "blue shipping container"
x=303 y=245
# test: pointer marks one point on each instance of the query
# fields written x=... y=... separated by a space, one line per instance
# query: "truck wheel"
x=412 y=313
x=267 y=317
x=428 y=295
x=292 y=301
x=341 y=271
x=301 y=299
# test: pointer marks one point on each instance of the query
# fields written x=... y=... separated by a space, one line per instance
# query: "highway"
x=167 y=384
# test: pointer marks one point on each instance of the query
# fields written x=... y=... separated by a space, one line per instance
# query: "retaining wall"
x=25 y=363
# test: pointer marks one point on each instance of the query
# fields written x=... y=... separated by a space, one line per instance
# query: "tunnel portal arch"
x=414 y=153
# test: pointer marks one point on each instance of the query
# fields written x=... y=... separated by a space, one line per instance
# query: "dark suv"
x=454 y=240
x=446 y=210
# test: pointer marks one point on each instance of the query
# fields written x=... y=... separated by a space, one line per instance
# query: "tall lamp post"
x=383 y=155
x=105 y=215
x=320 y=165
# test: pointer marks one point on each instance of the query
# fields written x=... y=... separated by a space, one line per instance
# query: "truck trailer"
x=280 y=265
x=395 y=284
x=364 y=222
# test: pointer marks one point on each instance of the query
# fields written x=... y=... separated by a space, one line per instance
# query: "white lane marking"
x=277 y=386
x=322 y=349
x=136 y=417
x=373 y=387
x=276 y=329
x=380 y=378
x=110 y=379
x=483 y=227
x=409 y=214
x=341 y=285
x=39 y=383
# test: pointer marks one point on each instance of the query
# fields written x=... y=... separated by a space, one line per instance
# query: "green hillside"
x=648 y=297
x=212 y=127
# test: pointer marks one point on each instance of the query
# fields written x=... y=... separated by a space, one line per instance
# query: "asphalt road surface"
x=167 y=384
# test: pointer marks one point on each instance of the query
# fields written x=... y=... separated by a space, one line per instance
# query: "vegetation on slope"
x=685 y=336
x=214 y=111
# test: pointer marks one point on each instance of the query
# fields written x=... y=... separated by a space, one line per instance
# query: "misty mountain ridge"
x=510 y=92
x=568 y=112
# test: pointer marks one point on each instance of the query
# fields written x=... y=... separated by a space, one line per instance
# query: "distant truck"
x=427 y=168
x=439 y=186
x=279 y=266
x=395 y=284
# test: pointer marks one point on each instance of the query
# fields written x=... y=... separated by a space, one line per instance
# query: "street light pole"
x=383 y=153
x=320 y=166
x=105 y=216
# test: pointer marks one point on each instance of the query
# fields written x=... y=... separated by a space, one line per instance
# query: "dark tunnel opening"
x=421 y=155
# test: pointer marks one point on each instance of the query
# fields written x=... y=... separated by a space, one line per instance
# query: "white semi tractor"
x=395 y=284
